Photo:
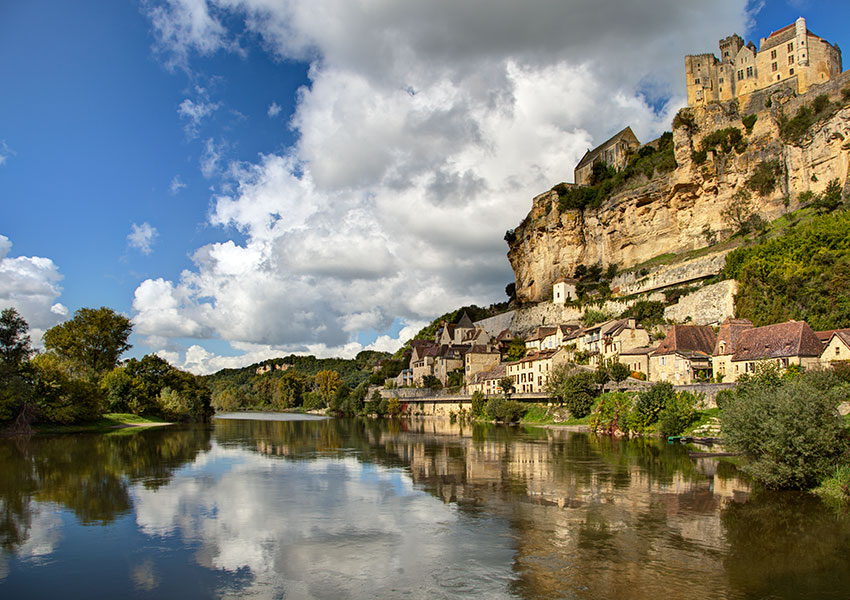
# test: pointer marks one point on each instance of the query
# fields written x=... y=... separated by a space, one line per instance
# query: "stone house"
x=605 y=341
x=837 y=348
x=487 y=382
x=727 y=335
x=534 y=342
x=783 y=344
x=637 y=359
x=563 y=291
x=684 y=355
x=614 y=152
x=448 y=359
x=792 y=54
x=456 y=333
x=422 y=357
x=531 y=373
x=479 y=359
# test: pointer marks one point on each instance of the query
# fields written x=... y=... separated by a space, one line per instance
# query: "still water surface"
x=344 y=508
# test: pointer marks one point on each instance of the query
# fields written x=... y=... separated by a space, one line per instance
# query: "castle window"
x=791 y=72
x=721 y=80
x=725 y=54
x=790 y=59
x=773 y=54
x=790 y=46
x=773 y=66
x=749 y=71
x=740 y=74
x=696 y=81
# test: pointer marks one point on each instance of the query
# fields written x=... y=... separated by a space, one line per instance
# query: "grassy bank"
x=108 y=422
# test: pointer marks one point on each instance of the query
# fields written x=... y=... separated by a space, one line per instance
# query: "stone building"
x=684 y=356
x=563 y=291
x=487 y=382
x=531 y=373
x=637 y=359
x=479 y=359
x=783 y=344
x=837 y=348
x=614 y=152
x=792 y=53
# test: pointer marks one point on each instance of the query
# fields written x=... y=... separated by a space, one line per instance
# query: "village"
x=473 y=357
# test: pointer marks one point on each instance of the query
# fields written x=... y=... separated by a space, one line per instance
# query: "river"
x=290 y=507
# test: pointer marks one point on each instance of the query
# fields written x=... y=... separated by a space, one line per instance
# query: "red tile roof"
x=688 y=338
x=794 y=338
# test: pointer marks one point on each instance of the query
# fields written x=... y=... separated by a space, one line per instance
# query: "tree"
x=477 y=404
x=516 y=349
x=91 y=342
x=619 y=372
x=15 y=348
x=510 y=291
x=602 y=375
x=506 y=384
x=572 y=387
x=431 y=382
x=327 y=381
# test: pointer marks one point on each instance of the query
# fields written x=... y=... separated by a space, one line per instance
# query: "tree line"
x=79 y=377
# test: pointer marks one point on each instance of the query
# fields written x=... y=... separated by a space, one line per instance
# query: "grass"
x=538 y=414
x=835 y=489
x=108 y=422
x=703 y=418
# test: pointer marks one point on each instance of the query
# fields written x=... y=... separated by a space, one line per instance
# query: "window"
x=791 y=72
x=773 y=66
x=790 y=59
x=773 y=54
x=749 y=71
x=721 y=80
x=790 y=46
x=740 y=75
x=837 y=350
x=696 y=81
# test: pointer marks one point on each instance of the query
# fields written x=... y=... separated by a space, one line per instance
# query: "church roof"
x=591 y=155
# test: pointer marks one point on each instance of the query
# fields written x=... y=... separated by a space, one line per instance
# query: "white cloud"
x=142 y=237
x=6 y=152
x=423 y=135
x=274 y=110
x=176 y=185
x=30 y=285
x=195 y=113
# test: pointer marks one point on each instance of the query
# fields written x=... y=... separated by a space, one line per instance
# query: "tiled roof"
x=541 y=333
x=786 y=34
x=794 y=338
x=542 y=355
x=688 y=338
x=728 y=333
x=638 y=351
x=826 y=335
x=496 y=372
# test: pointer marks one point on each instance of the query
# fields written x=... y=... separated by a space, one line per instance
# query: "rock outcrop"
x=681 y=210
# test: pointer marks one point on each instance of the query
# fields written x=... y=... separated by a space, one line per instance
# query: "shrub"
x=510 y=236
x=763 y=179
x=845 y=93
x=749 y=121
x=684 y=118
x=478 y=402
x=505 y=411
x=790 y=431
x=592 y=316
x=313 y=401
x=651 y=402
x=830 y=199
x=678 y=413
x=723 y=397
x=612 y=414
x=699 y=156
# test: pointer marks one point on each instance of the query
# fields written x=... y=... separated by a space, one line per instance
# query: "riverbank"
x=108 y=422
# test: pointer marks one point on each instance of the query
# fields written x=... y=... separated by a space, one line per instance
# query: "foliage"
x=831 y=199
x=722 y=141
x=802 y=275
x=393 y=407
x=678 y=413
x=91 y=342
x=763 y=179
x=650 y=403
x=572 y=387
x=313 y=401
x=510 y=291
x=510 y=236
x=749 y=121
x=685 y=118
x=593 y=316
x=836 y=487
x=477 y=402
x=739 y=214
x=646 y=312
x=606 y=181
x=601 y=376
x=327 y=383
x=795 y=129
x=506 y=384
x=15 y=348
x=612 y=413
x=789 y=429
x=516 y=349
x=58 y=397
x=431 y=382
x=619 y=372
x=505 y=411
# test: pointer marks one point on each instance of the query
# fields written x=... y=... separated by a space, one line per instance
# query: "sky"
x=247 y=179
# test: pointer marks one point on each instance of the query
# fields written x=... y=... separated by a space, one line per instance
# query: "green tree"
x=477 y=404
x=516 y=349
x=60 y=398
x=506 y=384
x=91 y=342
x=15 y=352
x=327 y=382
x=431 y=382
x=619 y=372
x=602 y=375
x=572 y=387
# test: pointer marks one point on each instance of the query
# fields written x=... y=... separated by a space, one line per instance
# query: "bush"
x=59 y=398
x=505 y=411
x=763 y=179
x=650 y=404
x=789 y=430
x=678 y=413
x=613 y=413
x=684 y=118
x=477 y=404
x=749 y=121
x=313 y=401
x=573 y=388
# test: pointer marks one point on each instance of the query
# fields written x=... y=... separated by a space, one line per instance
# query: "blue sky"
x=247 y=179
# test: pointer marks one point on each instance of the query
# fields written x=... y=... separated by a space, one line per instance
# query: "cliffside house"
x=637 y=359
x=614 y=152
x=684 y=356
x=792 y=54
x=503 y=341
x=531 y=373
x=563 y=291
x=605 y=341
x=785 y=344
x=487 y=382
x=534 y=342
x=837 y=349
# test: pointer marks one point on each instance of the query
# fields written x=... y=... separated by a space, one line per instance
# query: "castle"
x=792 y=54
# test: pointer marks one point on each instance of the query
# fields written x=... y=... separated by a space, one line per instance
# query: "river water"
x=288 y=507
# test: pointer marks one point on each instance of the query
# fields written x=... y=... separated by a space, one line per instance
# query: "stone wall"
x=666 y=276
x=709 y=305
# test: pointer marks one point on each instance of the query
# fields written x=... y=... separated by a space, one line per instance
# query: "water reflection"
x=365 y=508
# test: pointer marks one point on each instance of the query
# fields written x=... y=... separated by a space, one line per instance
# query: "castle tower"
x=729 y=47
x=800 y=42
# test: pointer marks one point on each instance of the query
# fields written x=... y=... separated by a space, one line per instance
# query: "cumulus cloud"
x=424 y=133
x=142 y=237
x=30 y=285
x=274 y=110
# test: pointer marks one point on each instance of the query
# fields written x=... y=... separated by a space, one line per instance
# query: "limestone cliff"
x=672 y=212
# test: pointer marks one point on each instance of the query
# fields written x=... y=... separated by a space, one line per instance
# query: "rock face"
x=674 y=212
x=709 y=305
